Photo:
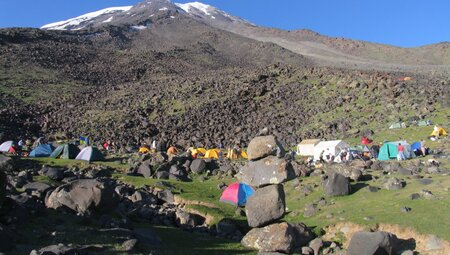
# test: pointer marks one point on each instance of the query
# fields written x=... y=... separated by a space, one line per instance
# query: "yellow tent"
x=213 y=153
x=144 y=150
x=231 y=156
x=197 y=151
x=438 y=131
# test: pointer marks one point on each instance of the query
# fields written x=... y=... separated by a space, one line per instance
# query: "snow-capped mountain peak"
x=68 y=24
x=140 y=14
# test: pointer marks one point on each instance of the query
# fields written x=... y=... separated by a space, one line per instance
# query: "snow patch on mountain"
x=196 y=5
x=63 y=25
x=108 y=20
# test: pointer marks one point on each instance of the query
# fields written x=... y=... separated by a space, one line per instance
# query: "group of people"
x=24 y=146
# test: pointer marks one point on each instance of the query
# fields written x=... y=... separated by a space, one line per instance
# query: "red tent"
x=366 y=140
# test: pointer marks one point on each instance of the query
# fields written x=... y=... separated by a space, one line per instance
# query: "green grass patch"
x=426 y=217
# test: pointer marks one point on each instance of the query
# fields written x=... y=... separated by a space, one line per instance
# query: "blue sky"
x=395 y=22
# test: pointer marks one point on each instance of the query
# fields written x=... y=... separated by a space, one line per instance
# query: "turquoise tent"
x=43 y=150
x=389 y=150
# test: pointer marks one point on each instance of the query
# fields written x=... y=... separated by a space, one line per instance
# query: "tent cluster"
x=64 y=151
x=215 y=153
x=338 y=150
x=321 y=150
x=420 y=123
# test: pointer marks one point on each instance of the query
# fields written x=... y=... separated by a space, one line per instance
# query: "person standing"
x=423 y=148
x=400 y=152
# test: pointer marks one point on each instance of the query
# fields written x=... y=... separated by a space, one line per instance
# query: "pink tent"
x=237 y=194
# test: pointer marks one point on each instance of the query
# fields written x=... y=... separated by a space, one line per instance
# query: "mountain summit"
x=134 y=15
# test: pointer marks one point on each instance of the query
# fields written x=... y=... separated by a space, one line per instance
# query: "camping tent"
x=144 y=149
x=332 y=147
x=197 y=151
x=423 y=123
x=365 y=140
x=416 y=146
x=397 y=125
x=4 y=147
x=65 y=151
x=237 y=194
x=389 y=150
x=213 y=153
x=306 y=147
x=90 y=154
x=438 y=131
x=231 y=155
x=43 y=150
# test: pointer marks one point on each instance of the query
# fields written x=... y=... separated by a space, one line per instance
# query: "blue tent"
x=43 y=150
x=416 y=146
x=237 y=194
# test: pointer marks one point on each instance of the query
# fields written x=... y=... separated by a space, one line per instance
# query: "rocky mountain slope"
x=324 y=50
x=159 y=71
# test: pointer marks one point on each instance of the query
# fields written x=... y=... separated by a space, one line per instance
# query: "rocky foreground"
x=58 y=205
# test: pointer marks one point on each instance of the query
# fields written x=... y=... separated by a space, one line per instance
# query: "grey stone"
x=269 y=170
x=372 y=243
x=145 y=169
x=394 y=184
x=273 y=238
x=7 y=240
x=84 y=195
x=198 y=166
x=265 y=206
x=316 y=245
x=263 y=146
x=336 y=185
x=188 y=220
x=129 y=244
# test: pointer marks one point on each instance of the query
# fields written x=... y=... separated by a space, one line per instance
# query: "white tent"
x=90 y=154
x=306 y=147
x=329 y=147
x=4 y=147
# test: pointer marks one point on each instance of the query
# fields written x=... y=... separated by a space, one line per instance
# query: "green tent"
x=422 y=123
x=388 y=151
x=395 y=125
x=66 y=151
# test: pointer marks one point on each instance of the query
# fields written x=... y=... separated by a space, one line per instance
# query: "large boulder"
x=3 y=182
x=198 y=166
x=265 y=206
x=7 y=241
x=303 y=235
x=282 y=237
x=53 y=173
x=188 y=220
x=84 y=195
x=372 y=243
x=6 y=163
x=145 y=169
x=394 y=184
x=269 y=170
x=61 y=249
x=336 y=185
x=263 y=146
x=37 y=188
